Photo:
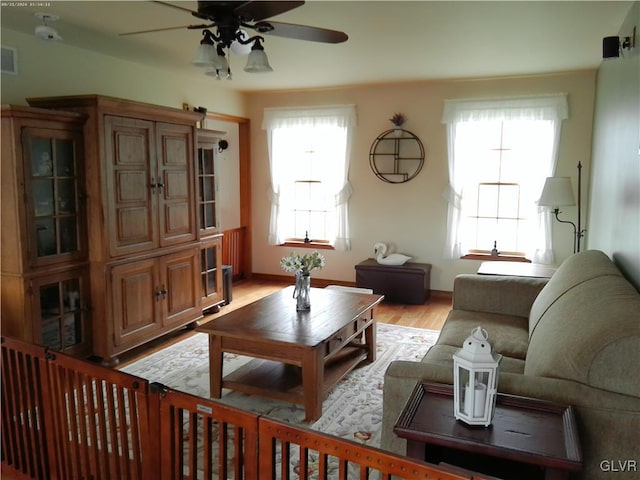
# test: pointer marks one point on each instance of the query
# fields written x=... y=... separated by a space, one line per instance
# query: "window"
x=309 y=156
x=500 y=153
x=309 y=159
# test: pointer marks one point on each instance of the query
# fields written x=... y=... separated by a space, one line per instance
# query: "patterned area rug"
x=353 y=409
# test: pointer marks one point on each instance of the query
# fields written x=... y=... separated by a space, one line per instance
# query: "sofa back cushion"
x=500 y=294
x=575 y=270
x=590 y=331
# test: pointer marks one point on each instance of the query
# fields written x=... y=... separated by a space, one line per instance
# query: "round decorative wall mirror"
x=396 y=156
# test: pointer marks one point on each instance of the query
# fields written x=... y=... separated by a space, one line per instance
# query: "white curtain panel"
x=343 y=116
x=549 y=108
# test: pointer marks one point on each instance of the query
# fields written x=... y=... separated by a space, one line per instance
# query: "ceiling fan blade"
x=259 y=10
x=167 y=4
x=190 y=27
x=301 y=32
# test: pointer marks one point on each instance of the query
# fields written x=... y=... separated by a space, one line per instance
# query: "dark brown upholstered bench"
x=409 y=283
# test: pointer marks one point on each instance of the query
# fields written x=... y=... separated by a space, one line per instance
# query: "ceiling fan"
x=229 y=21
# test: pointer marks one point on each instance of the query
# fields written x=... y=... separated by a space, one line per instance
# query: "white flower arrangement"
x=303 y=264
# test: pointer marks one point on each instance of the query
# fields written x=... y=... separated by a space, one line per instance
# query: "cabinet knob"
x=156 y=186
x=161 y=292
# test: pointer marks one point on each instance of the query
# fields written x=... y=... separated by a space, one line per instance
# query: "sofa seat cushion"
x=508 y=334
x=443 y=355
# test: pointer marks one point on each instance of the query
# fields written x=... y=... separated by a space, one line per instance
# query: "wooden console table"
x=528 y=439
x=298 y=356
x=517 y=269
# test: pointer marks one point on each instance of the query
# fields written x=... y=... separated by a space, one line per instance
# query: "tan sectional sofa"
x=573 y=340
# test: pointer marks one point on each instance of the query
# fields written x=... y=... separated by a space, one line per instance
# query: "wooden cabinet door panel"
x=136 y=302
x=131 y=180
x=181 y=273
x=177 y=220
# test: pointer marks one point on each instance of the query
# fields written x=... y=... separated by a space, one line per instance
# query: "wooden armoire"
x=147 y=255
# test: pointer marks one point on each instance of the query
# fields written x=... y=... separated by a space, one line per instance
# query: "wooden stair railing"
x=204 y=436
x=280 y=443
x=67 y=419
x=26 y=425
x=100 y=419
x=64 y=418
x=233 y=251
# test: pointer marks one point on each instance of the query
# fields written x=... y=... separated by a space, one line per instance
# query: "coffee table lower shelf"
x=283 y=381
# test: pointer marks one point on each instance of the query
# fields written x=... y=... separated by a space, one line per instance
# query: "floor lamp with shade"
x=557 y=192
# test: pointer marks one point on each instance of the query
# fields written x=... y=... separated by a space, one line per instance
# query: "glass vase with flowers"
x=302 y=265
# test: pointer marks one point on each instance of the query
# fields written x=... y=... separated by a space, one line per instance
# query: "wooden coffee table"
x=298 y=356
x=528 y=438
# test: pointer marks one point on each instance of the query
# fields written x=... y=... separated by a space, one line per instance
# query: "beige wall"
x=412 y=215
x=614 y=207
x=48 y=69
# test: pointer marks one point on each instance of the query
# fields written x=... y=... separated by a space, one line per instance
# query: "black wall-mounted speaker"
x=610 y=47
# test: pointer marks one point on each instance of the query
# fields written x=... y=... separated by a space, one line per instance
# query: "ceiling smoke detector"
x=45 y=32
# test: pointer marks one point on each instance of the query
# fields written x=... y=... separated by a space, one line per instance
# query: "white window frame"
x=553 y=108
x=343 y=116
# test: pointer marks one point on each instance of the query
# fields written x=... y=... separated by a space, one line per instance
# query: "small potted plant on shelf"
x=398 y=119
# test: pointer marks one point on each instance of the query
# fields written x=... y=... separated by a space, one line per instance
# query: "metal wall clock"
x=396 y=156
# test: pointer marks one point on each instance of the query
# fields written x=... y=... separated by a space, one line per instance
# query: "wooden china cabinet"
x=142 y=219
x=45 y=268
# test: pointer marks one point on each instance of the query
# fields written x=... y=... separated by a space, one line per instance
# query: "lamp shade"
x=205 y=55
x=239 y=48
x=557 y=191
x=257 y=61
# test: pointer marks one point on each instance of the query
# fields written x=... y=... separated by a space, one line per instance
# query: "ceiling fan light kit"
x=224 y=32
x=45 y=32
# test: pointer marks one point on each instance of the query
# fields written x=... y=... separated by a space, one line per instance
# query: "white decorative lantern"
x=475 y=380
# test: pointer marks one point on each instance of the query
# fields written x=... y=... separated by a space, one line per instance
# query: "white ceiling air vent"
x=9 y=60
x=45 y=32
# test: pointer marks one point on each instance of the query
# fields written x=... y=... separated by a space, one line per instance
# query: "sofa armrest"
x=507 y=295
x=608 y=422
x=400 y=379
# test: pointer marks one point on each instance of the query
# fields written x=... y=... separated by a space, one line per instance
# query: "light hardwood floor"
x=431 y=315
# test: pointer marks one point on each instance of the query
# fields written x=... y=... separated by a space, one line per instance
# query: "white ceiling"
x=389 y=41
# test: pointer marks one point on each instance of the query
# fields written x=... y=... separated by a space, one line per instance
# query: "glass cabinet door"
x=61 y=310
x=207 y=147
x=53 y=195
x=210 y=273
